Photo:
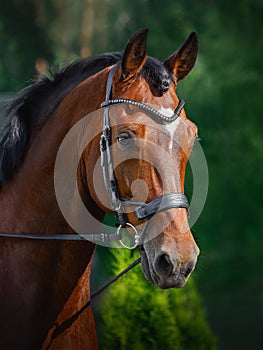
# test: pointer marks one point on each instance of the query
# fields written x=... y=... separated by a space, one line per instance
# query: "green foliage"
x=138 y=316
x=22 y=41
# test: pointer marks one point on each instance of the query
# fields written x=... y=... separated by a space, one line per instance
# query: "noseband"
x=117 y=203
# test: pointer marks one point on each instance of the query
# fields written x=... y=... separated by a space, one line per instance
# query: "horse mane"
x=34 y=104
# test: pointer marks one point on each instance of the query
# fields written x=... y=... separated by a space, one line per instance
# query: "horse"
x=44 y=282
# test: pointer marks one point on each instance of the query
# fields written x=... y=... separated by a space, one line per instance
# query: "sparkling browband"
x=163 y=117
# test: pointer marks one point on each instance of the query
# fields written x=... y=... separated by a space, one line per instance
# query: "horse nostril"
x=164 y=266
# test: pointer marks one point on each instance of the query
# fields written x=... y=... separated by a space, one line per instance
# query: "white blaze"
x=170 y=127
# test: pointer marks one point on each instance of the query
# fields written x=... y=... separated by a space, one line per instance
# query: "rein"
x=114 y=279
x=60 y=328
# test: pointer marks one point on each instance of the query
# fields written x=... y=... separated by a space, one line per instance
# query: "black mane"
x=34 y=104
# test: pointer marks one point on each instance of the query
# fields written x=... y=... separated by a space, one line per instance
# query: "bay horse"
x=44 y=282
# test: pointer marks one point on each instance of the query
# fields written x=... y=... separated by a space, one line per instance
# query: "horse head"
x=150 y=146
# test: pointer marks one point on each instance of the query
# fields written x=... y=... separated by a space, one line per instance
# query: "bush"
x=138 y=316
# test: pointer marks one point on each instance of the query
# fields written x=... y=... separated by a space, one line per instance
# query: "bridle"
x=117 y=203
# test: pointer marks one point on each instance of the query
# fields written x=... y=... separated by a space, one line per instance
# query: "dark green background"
x=223 y=96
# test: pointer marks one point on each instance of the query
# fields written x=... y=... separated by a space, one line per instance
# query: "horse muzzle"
x=168 y=269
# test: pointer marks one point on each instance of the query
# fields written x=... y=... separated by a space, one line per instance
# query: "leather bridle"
x=117 y=203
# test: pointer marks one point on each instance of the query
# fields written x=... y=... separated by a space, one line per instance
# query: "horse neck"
x=28 y=204
x=30 y=192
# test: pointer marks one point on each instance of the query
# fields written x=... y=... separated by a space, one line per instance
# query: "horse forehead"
x=143 y=123
x=170 y=128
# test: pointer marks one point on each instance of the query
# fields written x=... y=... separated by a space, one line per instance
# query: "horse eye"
x=125 y=139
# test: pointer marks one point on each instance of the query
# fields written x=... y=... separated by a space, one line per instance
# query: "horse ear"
x=134 y=54
x=182 y=61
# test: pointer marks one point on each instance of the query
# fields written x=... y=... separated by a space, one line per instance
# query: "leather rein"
x=117 y=203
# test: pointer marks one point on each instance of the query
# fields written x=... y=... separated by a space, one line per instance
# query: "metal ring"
x=136 y=236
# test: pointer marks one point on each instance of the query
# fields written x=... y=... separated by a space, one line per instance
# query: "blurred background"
x=221 y=307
